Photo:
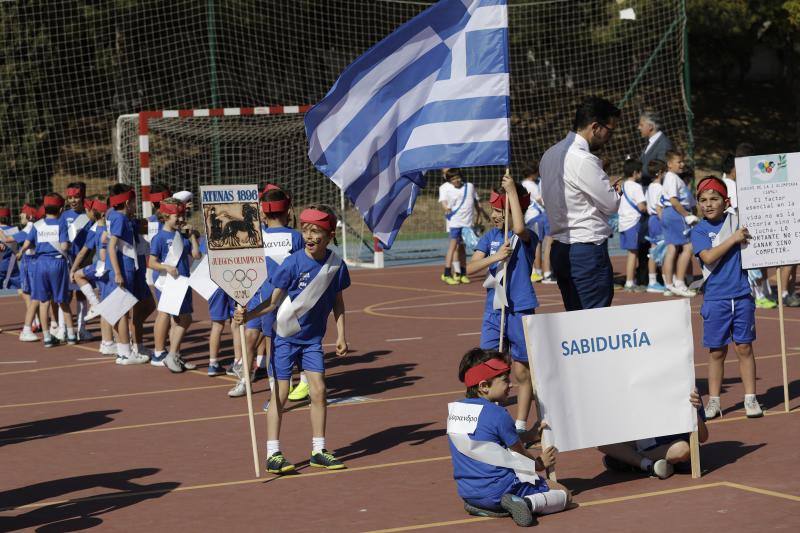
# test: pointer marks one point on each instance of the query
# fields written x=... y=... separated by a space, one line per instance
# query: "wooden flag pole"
x=551 y=472
x=505 y=274
x=783 y=342
x=694 y=454
x=249 y=389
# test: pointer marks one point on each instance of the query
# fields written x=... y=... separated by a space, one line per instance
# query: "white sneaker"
x=238 y=390
x=85 y=335
x=171 y=361
x=60 y=334
x=53 y=330
x=713 y=408
x=133 y=359
x=682 y=291
x=91 y=314
x=662 y=469
x=29 y=337
x=108 y=349
x=186 y=364
x=752 y=408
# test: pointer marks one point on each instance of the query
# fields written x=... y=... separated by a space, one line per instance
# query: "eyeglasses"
x=606 y=126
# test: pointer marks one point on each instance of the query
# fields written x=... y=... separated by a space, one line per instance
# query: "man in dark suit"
x=657 y=142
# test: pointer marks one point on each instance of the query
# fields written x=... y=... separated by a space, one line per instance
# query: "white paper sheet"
x=172 y=294
x=116 y=304
x=201 y=281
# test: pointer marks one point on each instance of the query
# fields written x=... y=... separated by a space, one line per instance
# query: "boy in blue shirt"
x=9 y=270
x=50 y=240
x=517 y=248
x=170 y=255
x=78 y=224
x=487 y=488
x=728 y=307
x=631 y=209
x=27 y=216
x=312 y=280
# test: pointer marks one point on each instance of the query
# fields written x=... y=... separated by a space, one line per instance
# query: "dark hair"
x=630 y=166
x=594 y=109
x=275 y=195
x=745 y=150
x=53 y=209
x=656 y=167
x=531 y=169
x=672 y=154
x=77 y=185
x=452 y=173
x=157 y=187
x=118 y=188
x=326 y=209
x=728 y=163
x=472 y=358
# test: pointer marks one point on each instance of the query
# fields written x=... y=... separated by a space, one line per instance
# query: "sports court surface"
x=86 y=443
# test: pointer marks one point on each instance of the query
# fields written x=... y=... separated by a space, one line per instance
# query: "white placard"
x=172 y=294
x=277 y=246
x=200 y=280
x=235 y=244
x=614 y=374
x=768 y=196
x=115 y=305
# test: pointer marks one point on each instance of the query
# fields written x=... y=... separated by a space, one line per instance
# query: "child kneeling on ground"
x=479 y=422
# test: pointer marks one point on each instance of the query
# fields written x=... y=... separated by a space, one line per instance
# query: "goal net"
x=75 y=66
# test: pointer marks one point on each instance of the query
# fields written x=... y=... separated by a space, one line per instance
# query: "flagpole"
x=248 y=388
x=505 y=274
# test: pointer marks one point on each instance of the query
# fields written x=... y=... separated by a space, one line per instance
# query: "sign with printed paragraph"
x=613 y=374
x=768 y=194
x=235 y=245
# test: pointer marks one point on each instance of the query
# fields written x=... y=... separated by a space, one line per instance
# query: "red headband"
x=486 y=370
x=56 y=201
x=498 y=201
x=40 y=212
x=712 y=184
x=172 y=209
x=74 y=191
x=159 y=196
x=276 y=206
x=87 y=203
x=318 y=218
x=121 y=198
x=29 y=211
x=269 y=187
x=99 y=206
x=5 y=212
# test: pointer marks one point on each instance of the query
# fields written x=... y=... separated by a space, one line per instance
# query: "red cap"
x=56 y=201
x=712 y=184
x=269 y=187
x=97 y=205
x=40 y=212
x=5 y=212
x=486 y=370
x=498 y=201
x=172 y=209
x=276 y=206
x=87 y=203
x=159 y=196
x=29 y=211
x=74 y=191
x=318 y=218
x=121 y=198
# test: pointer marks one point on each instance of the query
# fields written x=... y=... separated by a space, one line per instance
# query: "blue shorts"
x=267 y=322
x=90 y=271
x=27 y=265
x=515 y=335
x=675 y=229
x=455 y=234
x=655 y=232
x=286 y=354
x=52 y=279
x=629 y=239
x=254 y=323
x=220 y=306
x=110 y=286
x=140 y=288
x=518 y=488
x=728 y=320
x=540 y=225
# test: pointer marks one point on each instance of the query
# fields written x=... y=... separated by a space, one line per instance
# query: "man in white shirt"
x=579 y=199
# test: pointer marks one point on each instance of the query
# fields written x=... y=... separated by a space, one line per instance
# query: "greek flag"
x=433 y=94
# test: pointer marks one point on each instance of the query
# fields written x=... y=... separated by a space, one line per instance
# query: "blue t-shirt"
x=8 y=252
x=519 y=291
x=728 y=280
x=278 y=241
x=478 y=480
x=293 y=276
x=123 y=228
x=68 y=217
x=57 y=229
x=159 y=248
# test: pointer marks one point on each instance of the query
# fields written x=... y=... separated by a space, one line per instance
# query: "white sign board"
x=768 y=196
x=235 y=245
x=614 y=374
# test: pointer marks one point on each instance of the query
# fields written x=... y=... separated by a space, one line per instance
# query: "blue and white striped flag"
x=433 y=94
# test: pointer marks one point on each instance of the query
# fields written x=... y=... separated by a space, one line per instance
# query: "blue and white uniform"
x=96 y=272
x=629 y=215
x=160 y=249
x=27 y=263
x=655 y=231
x=675 y=229
x=9 y=269
x=728 y=311
x=51 y=279
x=78 y=226
x=279 y=243
x=481 y=484
x=123 y=228
x=153 y=227
x=305 y=347
x=519 y=293
x=536 y=216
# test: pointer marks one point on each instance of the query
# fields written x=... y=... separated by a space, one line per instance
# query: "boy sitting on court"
x=493 y=470
x=657 y=456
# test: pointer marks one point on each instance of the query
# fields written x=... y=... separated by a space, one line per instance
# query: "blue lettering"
x=626 y=341
x=644 y=339
x=574 y=348
x=584 y=345
x=247 y=195
x=217 y=196
x=611 y=343
x=604 y=342
x=565 y=347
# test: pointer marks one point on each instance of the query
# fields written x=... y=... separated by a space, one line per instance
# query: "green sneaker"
x=450 y=280
x=277 y=464
x=464 y=279
x=766 y=303
x=325 y=459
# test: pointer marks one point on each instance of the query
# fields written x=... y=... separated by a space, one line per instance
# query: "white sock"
x=679 y=283
x=645 y=464
x=547 y=273
x=758 y=291
x=106 y=343
x=784 y=294
x=80 y=315
x=652 y=278
x=552 y=501
x=60 y=319
x=26 y=329
x=629 y=283
x=538 y=271
x=91 y=297
x=765 y=286
x=123 y=350
x=261 y=361
x=158 y=353
x=273 y=446
x=521 y=425
x=70 y=332
x=271 y=382
x=303 y=378
x=317 y=444
x=749 y=397
x=457 y=267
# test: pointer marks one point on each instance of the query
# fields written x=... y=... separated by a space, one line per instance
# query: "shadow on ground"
x=52 y=427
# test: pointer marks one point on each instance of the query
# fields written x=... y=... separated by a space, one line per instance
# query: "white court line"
x=405 y=339
x=15 y=362
x=471 y=333
x=93 y=358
